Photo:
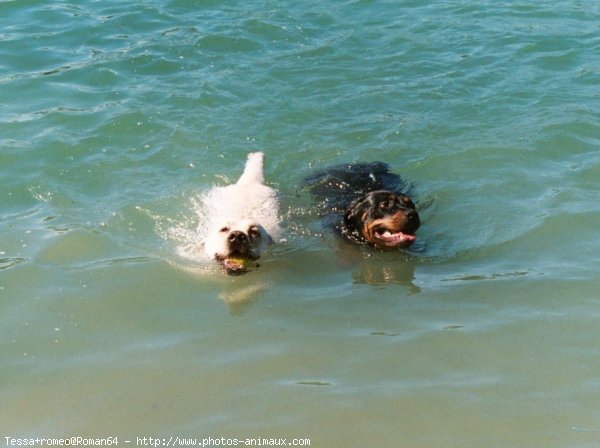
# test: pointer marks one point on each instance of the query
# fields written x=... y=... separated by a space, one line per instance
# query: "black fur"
x=346 y=194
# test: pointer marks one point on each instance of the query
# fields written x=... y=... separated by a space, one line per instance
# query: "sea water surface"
x=115 y=118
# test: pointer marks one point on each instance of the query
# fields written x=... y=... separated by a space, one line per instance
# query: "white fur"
x=248 y=202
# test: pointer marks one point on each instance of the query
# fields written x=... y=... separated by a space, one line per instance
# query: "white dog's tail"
x=254 y=169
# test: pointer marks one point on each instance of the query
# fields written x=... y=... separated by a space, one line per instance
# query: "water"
x=115 y=118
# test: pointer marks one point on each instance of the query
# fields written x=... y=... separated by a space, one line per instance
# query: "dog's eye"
x=224 y=229
x=387 y=205
x=254 y=232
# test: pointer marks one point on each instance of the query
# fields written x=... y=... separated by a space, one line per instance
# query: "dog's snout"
x=236 y=237
x=413 y=219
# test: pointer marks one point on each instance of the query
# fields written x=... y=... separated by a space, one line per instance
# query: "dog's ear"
x=350 y=217
x=355 y=213
x=352 y=222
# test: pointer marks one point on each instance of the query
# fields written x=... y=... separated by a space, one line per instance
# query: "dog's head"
x=384 y=219
x=236 y=245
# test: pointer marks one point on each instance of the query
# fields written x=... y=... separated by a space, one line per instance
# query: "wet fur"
x=351 y=199
x=242 y=219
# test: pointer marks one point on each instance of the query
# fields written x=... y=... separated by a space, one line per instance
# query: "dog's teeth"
x=384 y=234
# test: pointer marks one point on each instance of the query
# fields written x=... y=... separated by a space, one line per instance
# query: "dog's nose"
x=236 y=236
x=413 y=218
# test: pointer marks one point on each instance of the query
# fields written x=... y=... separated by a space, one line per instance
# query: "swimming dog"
x=366 y=204
x=242 y=219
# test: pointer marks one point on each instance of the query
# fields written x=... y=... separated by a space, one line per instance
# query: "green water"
x=115 y=117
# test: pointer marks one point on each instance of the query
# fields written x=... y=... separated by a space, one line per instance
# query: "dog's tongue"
x=397 y=238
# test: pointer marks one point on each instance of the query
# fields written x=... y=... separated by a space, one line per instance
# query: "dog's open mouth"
x=391 y=238
x=236 y=264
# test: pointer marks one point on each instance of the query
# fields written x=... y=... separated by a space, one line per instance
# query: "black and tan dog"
x=366 y=204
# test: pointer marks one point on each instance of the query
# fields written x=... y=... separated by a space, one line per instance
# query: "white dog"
x=242 y=219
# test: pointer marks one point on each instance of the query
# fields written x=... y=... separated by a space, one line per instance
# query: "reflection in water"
x=402 y=274
x=238 y=298
x=363 y=266
x=376 y=267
